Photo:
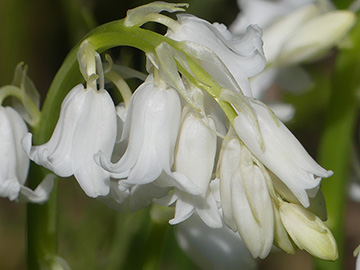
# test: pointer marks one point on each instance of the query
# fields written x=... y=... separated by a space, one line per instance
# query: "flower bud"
x=308 y=231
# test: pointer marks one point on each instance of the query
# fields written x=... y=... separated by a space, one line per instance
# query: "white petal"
x=41 y=193
x=55 y=155
x=10 y=188
x=19 y=130
x=184 y=209
x=252 y=209
x=155 y=117
x=160 y=131
x=205 y=205
x=230 y=158
x=194 y=159
x=183 y=183
x=196 y=149
x=14 y=162
x=86 y=125
x=243 y=57
x=96 y=130
x=208 y=210
x=282 y=154
x=134 y=121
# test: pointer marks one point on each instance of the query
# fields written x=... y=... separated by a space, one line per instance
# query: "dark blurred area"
x=41 y=33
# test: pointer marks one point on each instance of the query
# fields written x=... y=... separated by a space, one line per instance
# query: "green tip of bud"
x=308 y=231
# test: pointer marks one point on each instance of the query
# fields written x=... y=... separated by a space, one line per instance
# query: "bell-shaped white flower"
x=14 y=163
x=151 y=125
x=87 y=124
x=280 y=152
x=194 y=158
x=242 y=57
x=245 y=198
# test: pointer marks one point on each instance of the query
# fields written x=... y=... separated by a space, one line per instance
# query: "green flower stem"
x=102 y=38
x=336 y=142
x=42 y=218
x=41 y=227
x=155 y=241
x=128 y=226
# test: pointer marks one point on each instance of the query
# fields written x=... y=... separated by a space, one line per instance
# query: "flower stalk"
x=41 y=226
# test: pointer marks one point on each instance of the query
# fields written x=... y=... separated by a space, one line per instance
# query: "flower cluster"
x=191 y=136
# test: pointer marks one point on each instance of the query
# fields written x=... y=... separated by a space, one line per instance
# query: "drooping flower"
x=14 y=161
x=250 y=161
x=245 y=199
x=281 y=152
x=194 y=158
x=151 y=125
x=87 y=124
x=223 y=56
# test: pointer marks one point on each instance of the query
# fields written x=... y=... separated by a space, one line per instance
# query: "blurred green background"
x=91 y=236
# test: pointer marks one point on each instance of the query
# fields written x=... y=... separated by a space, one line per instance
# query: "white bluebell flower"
x=87 y=124
x=15 y=163
x=194 y=158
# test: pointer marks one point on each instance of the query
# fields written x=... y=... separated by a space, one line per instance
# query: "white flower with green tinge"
x=194 y=159
x=308 y=232
x=15 y=163
x=281 y=152
x=151 y=125
x=87 y=124
x=245 y=199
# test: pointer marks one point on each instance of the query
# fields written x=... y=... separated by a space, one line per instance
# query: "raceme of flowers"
x=191 y=137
